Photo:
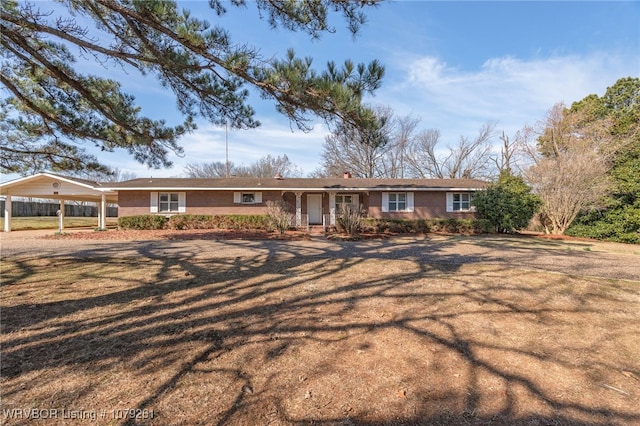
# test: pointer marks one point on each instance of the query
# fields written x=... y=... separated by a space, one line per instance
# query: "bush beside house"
x=508 y=204
x=266 y=222
x=189 y=221
x=422 y=226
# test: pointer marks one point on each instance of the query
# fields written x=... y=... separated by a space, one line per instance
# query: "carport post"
x=7 y=214
x=102 y=220
x=61 y=216
x=99 y=215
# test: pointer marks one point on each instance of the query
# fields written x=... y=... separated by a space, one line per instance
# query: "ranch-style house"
x=314 y=201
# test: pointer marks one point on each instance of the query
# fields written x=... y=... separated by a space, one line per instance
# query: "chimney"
x=347 y=175
x=278 y=176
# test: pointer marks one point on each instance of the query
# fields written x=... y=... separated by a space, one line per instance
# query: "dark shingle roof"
x=242 y=183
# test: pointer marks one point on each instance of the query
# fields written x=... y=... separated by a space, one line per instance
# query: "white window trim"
x=168 y=202
x=182 y=202
x=409 y=206
x=450 y=209
x=355 y=200
x=155 y=202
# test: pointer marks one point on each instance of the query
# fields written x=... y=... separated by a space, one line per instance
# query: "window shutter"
x=237 y=197
x=154 y=202
x=449 y=202
x=385 y=202
x=182 y=202
x=257 y=197
x=355 y=201
x=409 y=201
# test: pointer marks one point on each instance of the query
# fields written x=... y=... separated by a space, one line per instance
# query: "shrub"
x=508 y=204
x=450 y=225
x=251 y=222
x=189 y=221
x=604 y=231
x=280 y=216
x=618 y=223
x=349 y=220
x=142 y=222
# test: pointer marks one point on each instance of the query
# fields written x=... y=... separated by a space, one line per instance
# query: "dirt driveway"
x=580 y=258
x=402 y=331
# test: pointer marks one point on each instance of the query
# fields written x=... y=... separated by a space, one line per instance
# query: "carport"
x=62 y=188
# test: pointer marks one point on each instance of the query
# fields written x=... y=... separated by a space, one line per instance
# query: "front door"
x=314 y=209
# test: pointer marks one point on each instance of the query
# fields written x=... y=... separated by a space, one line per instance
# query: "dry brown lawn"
x=406 y=331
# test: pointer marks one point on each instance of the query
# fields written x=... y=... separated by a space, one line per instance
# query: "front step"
x=315 y=230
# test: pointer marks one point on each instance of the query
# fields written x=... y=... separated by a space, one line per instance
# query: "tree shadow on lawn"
x=371 y=333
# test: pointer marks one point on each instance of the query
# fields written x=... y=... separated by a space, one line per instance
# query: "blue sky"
x=456 y=65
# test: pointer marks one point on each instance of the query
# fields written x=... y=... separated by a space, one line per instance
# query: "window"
x=248 y=198
x=169 y=202
x=462 y=202
x=342 y=201
x=397 y=201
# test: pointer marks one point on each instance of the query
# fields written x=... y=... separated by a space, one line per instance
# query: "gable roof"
x=54 y=186
x=297 y=184
x=69 y=179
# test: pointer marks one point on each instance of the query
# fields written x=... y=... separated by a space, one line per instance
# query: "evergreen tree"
x=508 y=204
x=618 y=216
x=51 y=106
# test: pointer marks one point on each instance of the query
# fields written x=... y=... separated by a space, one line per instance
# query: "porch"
x=321 y=208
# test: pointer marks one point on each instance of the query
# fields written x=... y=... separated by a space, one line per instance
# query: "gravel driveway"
x=578 y=258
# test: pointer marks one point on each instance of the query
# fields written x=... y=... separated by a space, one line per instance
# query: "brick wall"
x=134 y=203
x=427 y=205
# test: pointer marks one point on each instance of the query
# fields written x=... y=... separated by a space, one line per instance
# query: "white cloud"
x=511 y=91
x=274 y=137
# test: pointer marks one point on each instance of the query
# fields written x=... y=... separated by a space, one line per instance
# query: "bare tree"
x=570 y=160
x=216 y=169
x=344 y=153
x=267 y=166
x=396 y=151
x=421 y=159
x=394 y=162
x=567 y=184
x=381 y=153
x=516 y=153
x=358 y=151
x=471 y=158
x=270 y=166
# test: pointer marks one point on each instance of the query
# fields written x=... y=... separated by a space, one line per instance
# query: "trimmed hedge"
x=193 y=221
x=190 y=221
x=242 y=222
x=421 y=226
x=262 y=222
x=142 y=222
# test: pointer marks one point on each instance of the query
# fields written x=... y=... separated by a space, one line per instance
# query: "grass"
x=292 y=333
x=52 y=222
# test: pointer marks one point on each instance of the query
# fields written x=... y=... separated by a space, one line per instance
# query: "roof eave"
x=291 y=189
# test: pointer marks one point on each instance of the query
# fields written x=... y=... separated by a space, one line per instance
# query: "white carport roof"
x=53 y=186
